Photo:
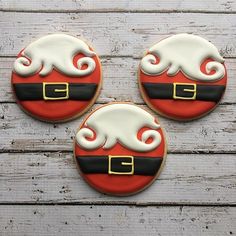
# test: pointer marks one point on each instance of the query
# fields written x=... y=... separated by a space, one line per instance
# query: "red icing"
x=179 y=109
x=120 y=184
x=62 y=109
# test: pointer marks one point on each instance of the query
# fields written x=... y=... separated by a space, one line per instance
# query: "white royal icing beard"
x=119 y=123
x=55 y=51
x=186 y=53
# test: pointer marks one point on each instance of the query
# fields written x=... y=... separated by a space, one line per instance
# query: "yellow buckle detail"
x=194 y=91
x=131 y=163
x=45 y=97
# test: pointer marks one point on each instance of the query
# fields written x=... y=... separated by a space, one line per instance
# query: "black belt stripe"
x=166 y=91
x=34 y=91
x=99 y=164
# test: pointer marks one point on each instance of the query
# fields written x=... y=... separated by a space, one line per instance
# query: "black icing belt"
x=119 y=165
x=184 y=91
x=54 y=91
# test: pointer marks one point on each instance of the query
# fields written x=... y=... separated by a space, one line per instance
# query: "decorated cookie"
x=56 y=78
x=182 y=77
x=120 y=149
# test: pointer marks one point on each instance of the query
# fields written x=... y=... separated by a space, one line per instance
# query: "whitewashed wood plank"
x=122 y=5
x=212 y=133
x=127 y=34
x=53 y=178
x=116 y=220
x=119 y=80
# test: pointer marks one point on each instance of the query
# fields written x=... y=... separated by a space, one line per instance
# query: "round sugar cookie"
x=120 y=149
x=182 y=77
x=56 y=78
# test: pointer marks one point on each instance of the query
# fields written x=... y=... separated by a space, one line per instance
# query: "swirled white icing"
x=186 y=53
x=119 y=123
x=55 y=51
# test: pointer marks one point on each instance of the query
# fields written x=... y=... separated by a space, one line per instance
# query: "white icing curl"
x=119 y=123
x=55 y=51
x=186 y=53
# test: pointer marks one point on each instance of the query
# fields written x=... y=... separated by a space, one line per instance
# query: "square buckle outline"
x=110 y=157
x=194 y=91
x=45 y=97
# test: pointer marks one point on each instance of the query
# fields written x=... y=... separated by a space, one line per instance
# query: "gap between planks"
x=109 y=57
x=70 y=152
x=118 y=11
x=120 y=203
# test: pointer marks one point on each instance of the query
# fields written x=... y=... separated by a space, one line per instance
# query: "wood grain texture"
x=121 y=5
x=116 y=220
x=53 y=178
x=196 y=192
x=119 y=80
x=213 y=133
x=117 y=34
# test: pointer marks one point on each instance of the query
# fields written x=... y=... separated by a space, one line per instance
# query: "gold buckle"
x=45 y=97
x=194 y=91
x=131 y=163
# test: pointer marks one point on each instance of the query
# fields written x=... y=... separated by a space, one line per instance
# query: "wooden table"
x=41 y=192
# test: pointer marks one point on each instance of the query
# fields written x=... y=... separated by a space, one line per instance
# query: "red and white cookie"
x=120 y=149
x=182 y=77
x=56 y=78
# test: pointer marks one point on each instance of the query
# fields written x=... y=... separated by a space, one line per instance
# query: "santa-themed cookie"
x=56 y=78
x=182 y=77
x=120 y=149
